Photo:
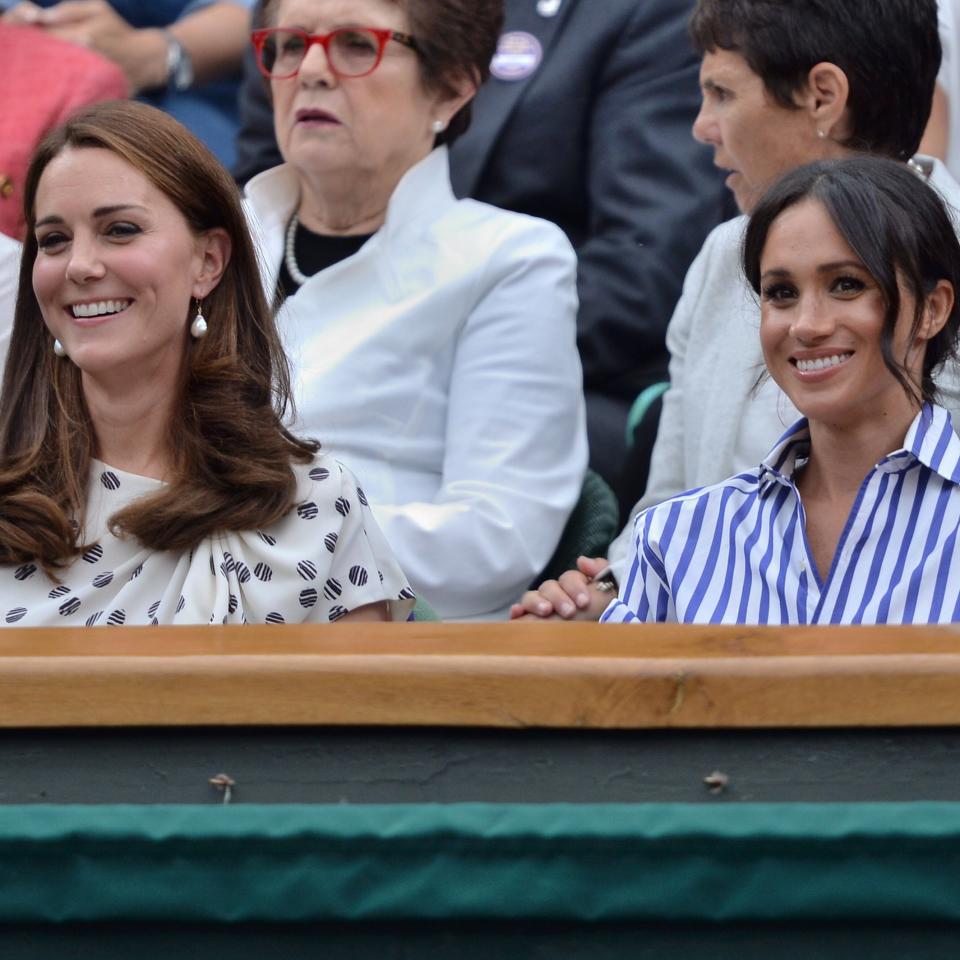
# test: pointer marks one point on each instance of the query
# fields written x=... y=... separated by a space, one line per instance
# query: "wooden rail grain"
x=487 y=675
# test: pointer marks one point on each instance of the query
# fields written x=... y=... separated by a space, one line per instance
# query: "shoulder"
x=722 y=246
x=476 y=225
x=325 y=478
x=696 y=507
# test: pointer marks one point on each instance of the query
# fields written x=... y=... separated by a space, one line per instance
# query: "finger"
x=560 y=599
x=575 y=585
x=23 y=13
x=70 y=11
x=533 y=602
x=591 y=566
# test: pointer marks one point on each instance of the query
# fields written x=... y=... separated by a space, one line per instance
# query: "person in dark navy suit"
x=586 y=122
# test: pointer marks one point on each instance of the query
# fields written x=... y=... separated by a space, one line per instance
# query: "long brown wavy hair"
x=231 y=456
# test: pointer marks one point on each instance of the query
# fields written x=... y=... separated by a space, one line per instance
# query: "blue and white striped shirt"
x=737 y=552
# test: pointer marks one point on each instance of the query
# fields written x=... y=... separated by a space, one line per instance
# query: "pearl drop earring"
x=198 y=328
x=59 y=349
x=438 y=126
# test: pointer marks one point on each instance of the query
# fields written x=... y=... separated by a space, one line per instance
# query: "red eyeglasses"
x=351 y=51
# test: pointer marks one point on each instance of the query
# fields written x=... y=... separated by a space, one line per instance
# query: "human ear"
x=826 y=100
x=213 y=250
x=460 y=90
x=936 y=310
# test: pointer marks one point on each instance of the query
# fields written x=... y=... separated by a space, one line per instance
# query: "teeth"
x=99 y=309
x=821 y=363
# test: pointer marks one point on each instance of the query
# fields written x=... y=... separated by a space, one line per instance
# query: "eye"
x=848 y=285
x=49 y=242
x=356 y=41
x=290 y=43
x=779 y=293
x=122 y=230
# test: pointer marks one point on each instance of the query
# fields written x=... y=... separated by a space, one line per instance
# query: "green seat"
x=423 y=611
x=594 y=523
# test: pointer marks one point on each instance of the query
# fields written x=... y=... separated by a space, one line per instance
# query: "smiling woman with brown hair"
x=145 y=472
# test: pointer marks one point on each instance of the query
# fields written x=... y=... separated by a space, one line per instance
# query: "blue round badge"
x=518 y=56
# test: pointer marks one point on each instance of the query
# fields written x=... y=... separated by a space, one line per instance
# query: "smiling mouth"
x=102 y=308
x=820 y=363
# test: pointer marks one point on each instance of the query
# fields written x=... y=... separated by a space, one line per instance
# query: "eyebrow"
x=99 y=212
x=823 y=268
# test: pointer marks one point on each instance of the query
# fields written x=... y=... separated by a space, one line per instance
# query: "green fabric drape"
x=576 y=862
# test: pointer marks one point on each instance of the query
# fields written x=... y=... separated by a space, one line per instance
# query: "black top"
x=315 y=252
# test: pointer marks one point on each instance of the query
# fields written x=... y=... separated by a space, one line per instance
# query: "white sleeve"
x=515 y=442
x=9 y=277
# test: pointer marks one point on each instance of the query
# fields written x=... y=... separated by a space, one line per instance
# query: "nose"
x=704 y=127
x=813 y=320
x=315 y=67
x=85 y=263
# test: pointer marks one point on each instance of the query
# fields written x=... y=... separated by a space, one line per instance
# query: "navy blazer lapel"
x=496 y=99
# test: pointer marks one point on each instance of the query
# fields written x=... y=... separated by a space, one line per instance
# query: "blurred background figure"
x=45 y=79
x=182 y=56
x=942 y=138
x=585 y=121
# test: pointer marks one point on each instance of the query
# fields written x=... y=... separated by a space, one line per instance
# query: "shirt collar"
x=421 y=191
x=930 y=440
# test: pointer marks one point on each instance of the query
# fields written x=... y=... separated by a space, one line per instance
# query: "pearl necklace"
x=290 y=258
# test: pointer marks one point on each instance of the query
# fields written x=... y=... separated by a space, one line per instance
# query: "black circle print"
x=232 y=603
x=332 y=589
x=330 y=542
x=269 y=540
x=69 y=607
x=275 y=618
x=17 y=613
x=407 y=594
x=358 y=576
x=103 y=579
x=263 y=572
x=307 y=570
x=243 y=572
x=319 y=474
x=153 y=608
x=110 y=480
x=307 y=511
x=362 y=497
x=94 y=618
x=343 y=506
x=25 y=572
x=308 y=598
x=94 y=554
x=337 y=612
x=117 y=618
x=60 y=591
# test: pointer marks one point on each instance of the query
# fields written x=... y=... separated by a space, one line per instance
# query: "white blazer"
x=440 y=364
x=9 y=275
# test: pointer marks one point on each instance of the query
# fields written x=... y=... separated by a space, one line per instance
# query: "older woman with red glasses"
x=432 y=340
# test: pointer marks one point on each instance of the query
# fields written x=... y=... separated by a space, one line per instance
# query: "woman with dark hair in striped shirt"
x=854 y=516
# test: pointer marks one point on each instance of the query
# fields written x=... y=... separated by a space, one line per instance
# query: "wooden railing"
x=487 y=675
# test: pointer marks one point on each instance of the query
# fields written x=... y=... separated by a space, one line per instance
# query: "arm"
x=653 y=194
x=215 y=36
x=645 y=592
x=515 y=445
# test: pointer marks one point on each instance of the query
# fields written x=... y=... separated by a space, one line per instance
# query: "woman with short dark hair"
x=146 y=475
x=854 y=516
x=433 y=341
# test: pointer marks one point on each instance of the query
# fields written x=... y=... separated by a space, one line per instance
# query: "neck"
x=131 y=424
x=349 y=202
x=840 y=456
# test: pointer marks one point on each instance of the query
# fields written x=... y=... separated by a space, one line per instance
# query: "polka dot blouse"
x=325 y=558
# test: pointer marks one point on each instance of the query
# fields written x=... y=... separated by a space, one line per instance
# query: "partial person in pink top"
x=45 y=80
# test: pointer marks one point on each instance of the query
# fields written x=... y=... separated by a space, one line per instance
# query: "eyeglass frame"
x=383 y=34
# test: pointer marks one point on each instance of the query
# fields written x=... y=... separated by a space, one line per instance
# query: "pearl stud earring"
x=438 y=126
x=59 y=349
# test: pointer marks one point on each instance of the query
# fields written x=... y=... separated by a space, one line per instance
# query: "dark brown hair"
x=231 y=455
x=899 y=228
x=454 y=37
x=888 y=49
